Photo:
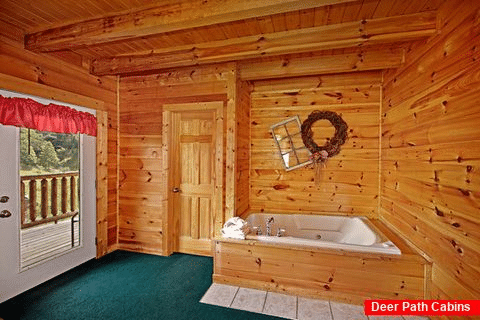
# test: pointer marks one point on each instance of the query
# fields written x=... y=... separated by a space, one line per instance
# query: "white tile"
x=313 y=309
x=281 y=305
x=249 y=300
x=219 y=295
x=343 y=311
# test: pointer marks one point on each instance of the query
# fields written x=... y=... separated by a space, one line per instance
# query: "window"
x=288 y=138
x=50 y=193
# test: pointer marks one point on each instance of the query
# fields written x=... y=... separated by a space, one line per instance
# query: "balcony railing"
x=41 y=204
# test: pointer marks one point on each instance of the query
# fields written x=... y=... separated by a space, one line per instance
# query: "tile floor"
x=286 y=306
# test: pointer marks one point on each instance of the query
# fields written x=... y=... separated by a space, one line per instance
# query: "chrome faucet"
x=268 y=226
x=257 y=230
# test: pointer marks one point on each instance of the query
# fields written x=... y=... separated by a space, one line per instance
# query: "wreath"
x=332 y=147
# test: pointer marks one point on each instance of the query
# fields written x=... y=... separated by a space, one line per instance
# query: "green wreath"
x=332 y=147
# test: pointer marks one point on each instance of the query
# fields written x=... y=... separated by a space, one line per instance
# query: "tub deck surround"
x=326 y=273
x=325 y=231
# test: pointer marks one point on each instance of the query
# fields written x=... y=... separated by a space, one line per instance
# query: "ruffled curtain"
x=27 y=113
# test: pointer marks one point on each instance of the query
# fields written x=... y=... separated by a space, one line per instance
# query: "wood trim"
x=132 y=247
x=193 y=106
x=219 y=172
x=351 y=34
x=242 y=176
x=380 y=110
x=363 y=60
x=174 y=180
x=117 y=178
x=102 y=183
x=12 y=83
x=171 y=16
x=170 y=243
x=167 y=221
x=231 y=146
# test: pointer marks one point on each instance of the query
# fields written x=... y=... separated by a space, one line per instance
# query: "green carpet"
x=125 y=285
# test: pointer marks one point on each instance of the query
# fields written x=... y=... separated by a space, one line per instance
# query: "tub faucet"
x=281 y=232
x=257 y=230
x=269 y=226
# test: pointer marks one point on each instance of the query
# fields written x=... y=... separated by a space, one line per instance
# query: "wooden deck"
x=44 y=241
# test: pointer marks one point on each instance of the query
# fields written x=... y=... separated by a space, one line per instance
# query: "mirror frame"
x=283 y=152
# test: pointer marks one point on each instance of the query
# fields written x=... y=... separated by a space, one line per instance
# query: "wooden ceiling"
x=122 y=36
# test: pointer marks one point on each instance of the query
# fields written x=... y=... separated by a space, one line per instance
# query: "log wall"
x=143 y=213
x=431 y=151
x=349 y=183
x=31 y=68
x=412 y=156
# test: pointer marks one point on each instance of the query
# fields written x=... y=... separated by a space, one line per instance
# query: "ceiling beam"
x=352 y=34
x=171 y=16
x=363 y=60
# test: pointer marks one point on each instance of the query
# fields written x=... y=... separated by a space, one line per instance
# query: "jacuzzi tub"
x=333 y=232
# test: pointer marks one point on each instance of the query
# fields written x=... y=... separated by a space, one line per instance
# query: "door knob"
x=5 y=214
x=176 y=190
x=4 y=199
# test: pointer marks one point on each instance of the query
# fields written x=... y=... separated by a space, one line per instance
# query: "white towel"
x=235 y=228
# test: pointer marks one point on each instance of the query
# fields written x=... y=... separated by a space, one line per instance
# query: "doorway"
x=16 y=275
x=194 y=135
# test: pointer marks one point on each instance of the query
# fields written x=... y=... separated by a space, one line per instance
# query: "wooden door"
x=196 y=159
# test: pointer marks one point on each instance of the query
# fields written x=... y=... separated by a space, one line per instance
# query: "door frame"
x=15 y=84
x=17 y=278
x=170 y=113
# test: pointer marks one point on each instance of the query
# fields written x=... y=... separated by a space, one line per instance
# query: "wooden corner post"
x=102 y=188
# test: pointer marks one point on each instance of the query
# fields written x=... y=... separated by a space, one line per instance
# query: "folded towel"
x=233 y=234
x=235 y=223
x=235 y=228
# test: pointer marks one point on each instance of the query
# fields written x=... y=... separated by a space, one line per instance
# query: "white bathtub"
x=334 y=232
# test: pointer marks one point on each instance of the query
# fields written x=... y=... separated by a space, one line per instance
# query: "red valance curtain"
x=27 y=113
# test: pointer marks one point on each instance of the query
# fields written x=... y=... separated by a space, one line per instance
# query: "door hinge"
x=96 y=241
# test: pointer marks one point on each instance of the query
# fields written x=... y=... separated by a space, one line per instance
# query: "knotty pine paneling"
x=322 y=273
x=349 y=183
x=142 y=217
x=430 y=154
x=30 y=17
x=51 y=72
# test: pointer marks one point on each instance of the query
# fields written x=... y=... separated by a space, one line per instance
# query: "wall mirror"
x=288 y=138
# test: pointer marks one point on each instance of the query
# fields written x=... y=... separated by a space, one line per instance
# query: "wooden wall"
x=142 y=213
x=55 y=73
x=431 y=150
x=349 y=183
